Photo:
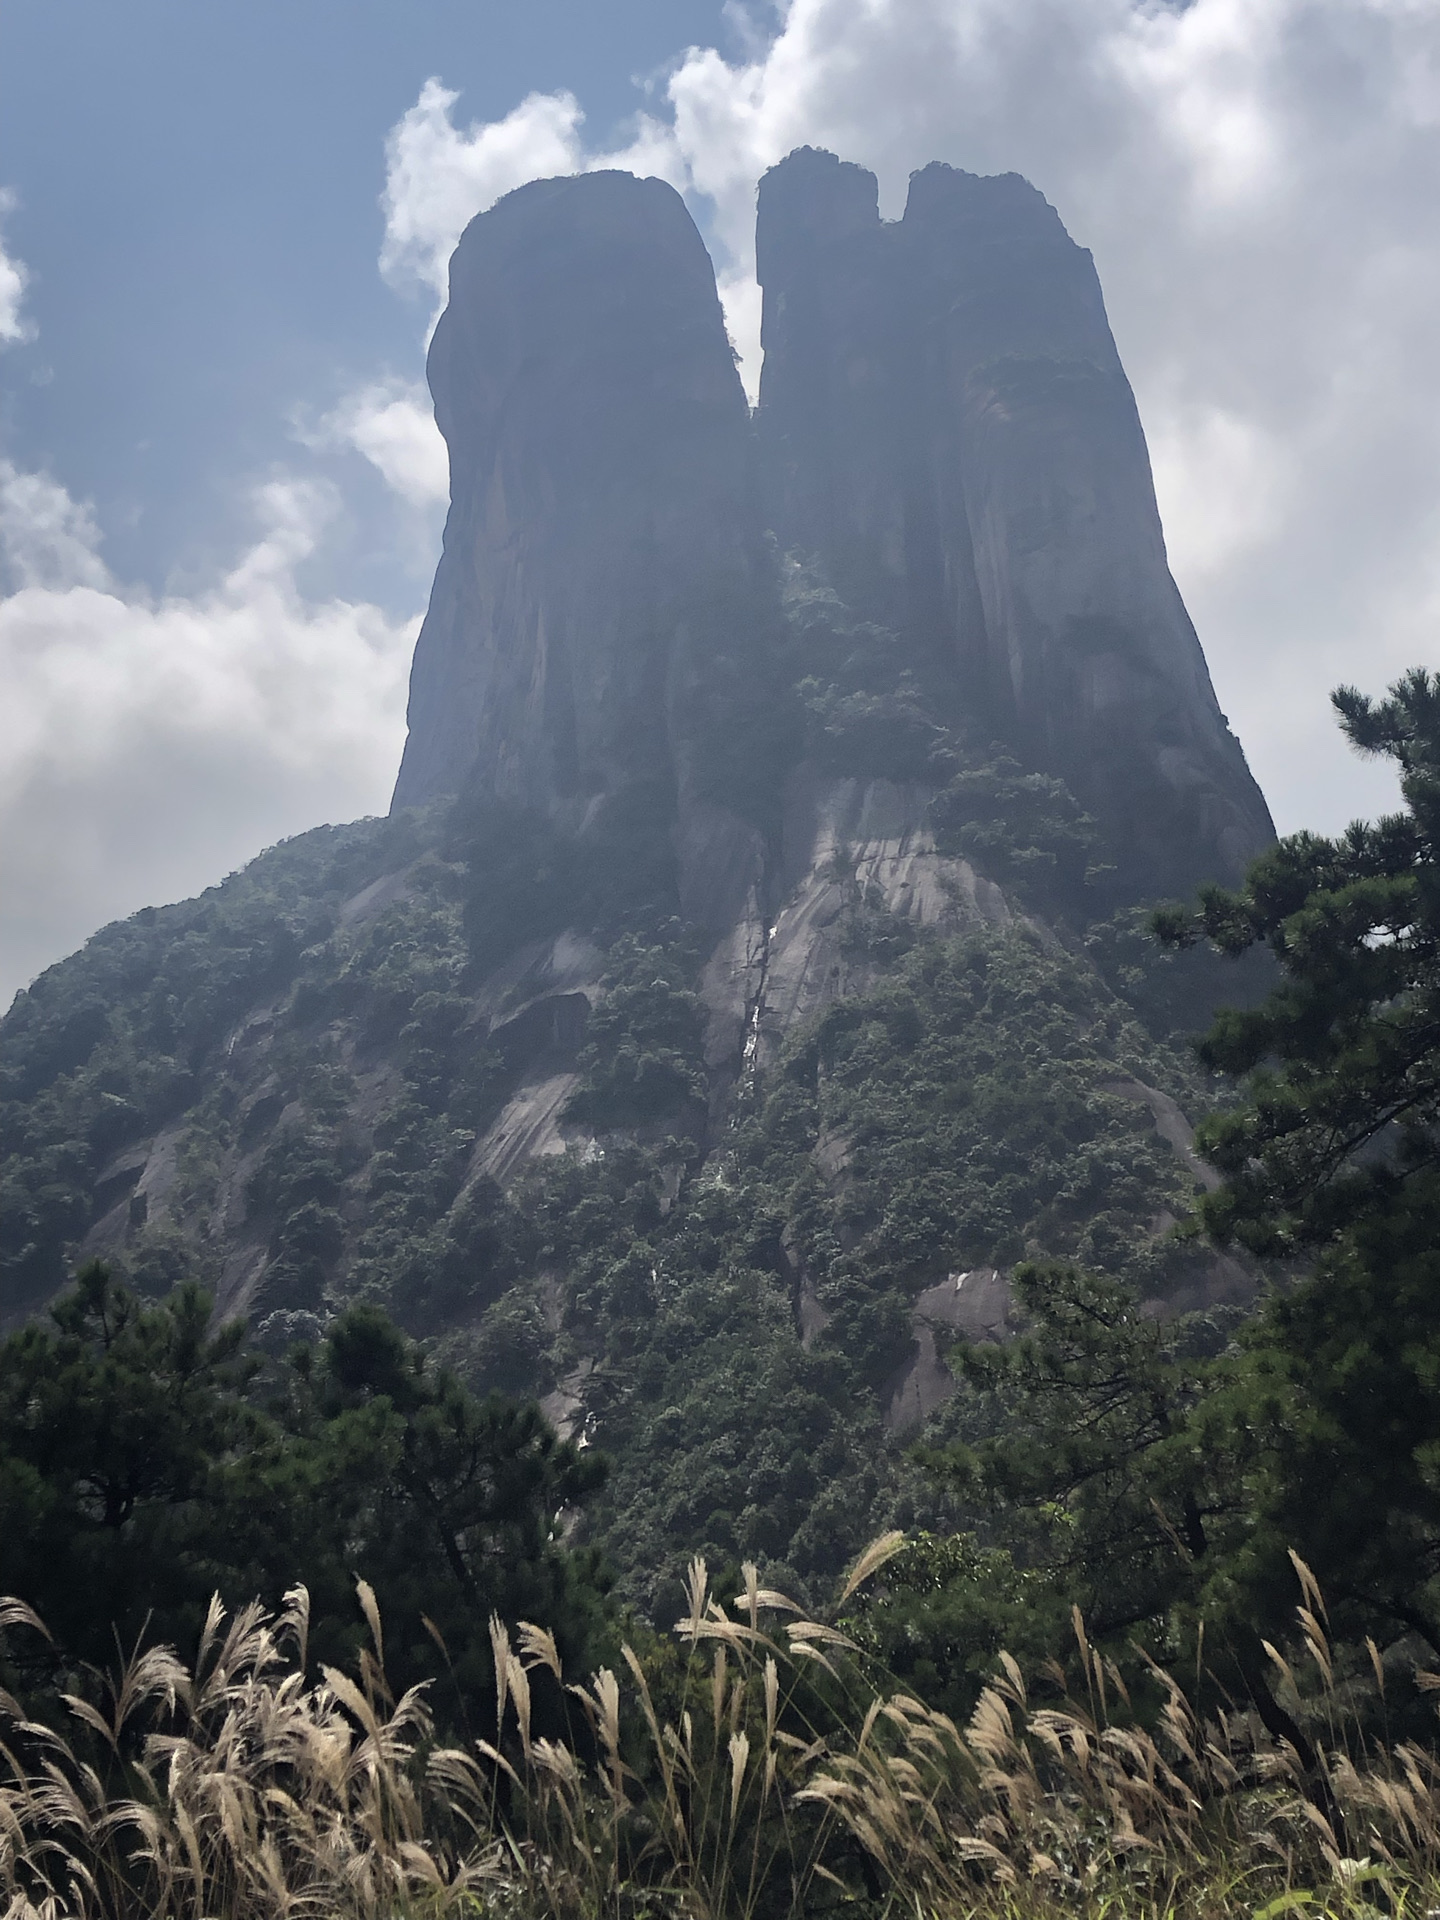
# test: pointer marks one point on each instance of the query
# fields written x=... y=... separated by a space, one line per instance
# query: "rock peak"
x=940 y=191
x=945 y=435
x=811 y=199
x=599 y=458
x=946 y=427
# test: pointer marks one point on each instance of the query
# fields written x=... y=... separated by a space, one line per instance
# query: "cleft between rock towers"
x=946 y=445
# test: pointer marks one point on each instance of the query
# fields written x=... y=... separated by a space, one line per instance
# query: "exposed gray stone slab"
x=528 y=1129
x=975 y=1305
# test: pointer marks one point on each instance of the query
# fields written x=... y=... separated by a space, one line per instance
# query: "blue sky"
x=222 y=241
x=198 y=189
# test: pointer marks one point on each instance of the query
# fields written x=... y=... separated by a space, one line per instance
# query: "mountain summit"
x=946 y=441
x=945 y=422
x=749 y=975
x=602 y=519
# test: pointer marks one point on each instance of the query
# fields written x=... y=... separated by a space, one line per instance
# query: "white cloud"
x=392 y=423
x=1256 y=181
x=46 y=538
x=13 y=282
x=150 y=746
x=652 y=152
x=439 y=177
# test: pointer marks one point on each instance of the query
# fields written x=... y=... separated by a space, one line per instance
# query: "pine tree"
x=1342 y=1117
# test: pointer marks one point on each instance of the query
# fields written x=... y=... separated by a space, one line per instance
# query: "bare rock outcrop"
x=845 y=843
x=944 y=427
x=945 y=422
x=603 y=559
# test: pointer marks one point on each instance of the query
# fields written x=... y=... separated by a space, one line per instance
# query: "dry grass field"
x=753 y=1767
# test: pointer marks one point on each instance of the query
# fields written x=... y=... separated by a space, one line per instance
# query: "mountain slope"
x=458 y=1063
x=740 y=985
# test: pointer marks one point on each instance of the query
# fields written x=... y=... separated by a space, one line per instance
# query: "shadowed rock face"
x=362 y=1042
x=603 y=547
x=946 y=423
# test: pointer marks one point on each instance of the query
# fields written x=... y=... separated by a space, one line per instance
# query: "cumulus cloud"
x=13 y=281
x=151 y=745
x=392 y=423
x=46 y=538
x=438 y=177
x=1256 y=181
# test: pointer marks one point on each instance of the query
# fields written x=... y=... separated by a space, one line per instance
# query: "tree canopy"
x=1161 y=1472
x=1341 y=1120
x=148 y=1460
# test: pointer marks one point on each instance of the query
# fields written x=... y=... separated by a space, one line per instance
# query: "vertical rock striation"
x=603 y=555
x=945 y=422
x=944 y=425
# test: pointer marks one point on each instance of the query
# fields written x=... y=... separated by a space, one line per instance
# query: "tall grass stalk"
x=767 y=1772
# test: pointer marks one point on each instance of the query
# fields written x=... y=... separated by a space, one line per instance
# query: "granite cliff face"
x=945 y=422
x=603 y=558
x=945 y=432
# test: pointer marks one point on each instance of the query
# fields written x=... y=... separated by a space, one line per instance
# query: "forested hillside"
x=312 y=1086
x=1170 y=1641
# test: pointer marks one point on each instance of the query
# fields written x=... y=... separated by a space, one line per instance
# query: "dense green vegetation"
x=116 y=1042
x=148 y=1460
x=721 y=1307
x=279 y=1092
x=966 y=1108
x=966 y=1113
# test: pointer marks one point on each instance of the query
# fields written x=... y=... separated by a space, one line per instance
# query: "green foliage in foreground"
x=1161 y=1474
x=1335 y=1406
x=1342 y=1118
x=147 y=1459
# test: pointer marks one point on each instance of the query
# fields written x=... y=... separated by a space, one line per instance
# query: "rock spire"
x=945 y=430
x=945 y=421
x=602 y=521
